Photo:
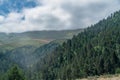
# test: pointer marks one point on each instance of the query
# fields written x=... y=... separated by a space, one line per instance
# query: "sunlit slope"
x=34 y=38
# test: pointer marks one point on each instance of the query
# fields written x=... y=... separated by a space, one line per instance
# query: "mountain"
x=34 y=38
x=27 y=48
x=96 y=51
x=27 y=56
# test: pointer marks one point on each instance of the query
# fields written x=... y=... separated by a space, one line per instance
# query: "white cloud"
x=1 y=19
x=58 y=14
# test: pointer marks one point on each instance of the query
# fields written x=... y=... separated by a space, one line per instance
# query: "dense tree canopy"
x=15 y=74
x=96 y=51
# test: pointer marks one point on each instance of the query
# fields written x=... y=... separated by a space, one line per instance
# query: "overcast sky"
x=29 y=15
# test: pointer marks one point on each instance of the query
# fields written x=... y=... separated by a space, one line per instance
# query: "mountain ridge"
x=34 y=38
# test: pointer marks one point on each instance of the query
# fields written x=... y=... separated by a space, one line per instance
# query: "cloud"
x=58 y=15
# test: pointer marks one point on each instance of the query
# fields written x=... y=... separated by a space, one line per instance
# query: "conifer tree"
x=15 y=74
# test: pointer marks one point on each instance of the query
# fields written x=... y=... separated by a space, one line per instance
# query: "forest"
x=94 y=51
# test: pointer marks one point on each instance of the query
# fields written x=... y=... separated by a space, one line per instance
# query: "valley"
x=26 y=49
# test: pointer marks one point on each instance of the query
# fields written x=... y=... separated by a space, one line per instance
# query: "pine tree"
x=15 y=74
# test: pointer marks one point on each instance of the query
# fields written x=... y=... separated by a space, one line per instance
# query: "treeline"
x=96 y=51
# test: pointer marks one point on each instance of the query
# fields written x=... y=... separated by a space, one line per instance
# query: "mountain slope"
x=25 y=57
x=34 y=38
x=95 y=51
x=27 y=48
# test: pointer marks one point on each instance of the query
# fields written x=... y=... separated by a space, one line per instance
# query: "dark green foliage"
x=15 y=74
x=95 y=51
x=5 y=62
x=118 y=71
x=26 y=57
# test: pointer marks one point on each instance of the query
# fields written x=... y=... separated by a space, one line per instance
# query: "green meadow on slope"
x=34 y=38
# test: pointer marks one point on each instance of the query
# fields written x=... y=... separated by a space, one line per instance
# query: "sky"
x=30 y=15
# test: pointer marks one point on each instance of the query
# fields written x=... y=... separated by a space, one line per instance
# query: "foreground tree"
x=15 y=74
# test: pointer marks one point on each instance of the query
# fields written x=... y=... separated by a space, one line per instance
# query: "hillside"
x=25 y=57
x=34 y=38
x=96 y=51
x=21 y=48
